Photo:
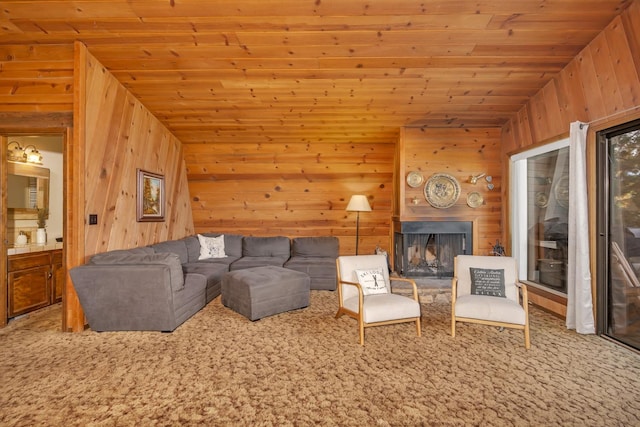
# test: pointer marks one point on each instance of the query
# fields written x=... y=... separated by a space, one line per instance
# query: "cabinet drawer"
x=56 y=256
x=28 y=290
x=24 y=261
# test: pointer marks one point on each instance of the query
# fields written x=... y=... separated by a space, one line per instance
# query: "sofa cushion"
x=276 y=246
x=258 y=261
x=168 y=259
x=227 y=261
x=177 y=247
x=193 y=248
x=325 y=246
x=322 y=270
x=313 y=266
x=213 y=273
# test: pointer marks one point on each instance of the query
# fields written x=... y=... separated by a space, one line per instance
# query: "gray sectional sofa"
x=158 y=287
x=315 y=256
x=261 y=251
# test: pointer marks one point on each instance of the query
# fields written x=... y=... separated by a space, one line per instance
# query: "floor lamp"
x=358 y=203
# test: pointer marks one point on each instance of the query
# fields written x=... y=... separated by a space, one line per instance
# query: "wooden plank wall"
x=601 y=86
x=36 y=78
x=460 y=153
x=292 y=190
x=121 y=136
x=602 y=81
x=36 y=94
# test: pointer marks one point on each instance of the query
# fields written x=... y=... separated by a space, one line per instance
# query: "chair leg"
x=453 y=326
x=418 y=327
x=527 y=338
x=361 y=328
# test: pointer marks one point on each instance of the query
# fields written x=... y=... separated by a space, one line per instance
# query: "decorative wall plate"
x=415 y=179
x=474 y=199
x=541 y=199
x=442 y=190
x=561 y=191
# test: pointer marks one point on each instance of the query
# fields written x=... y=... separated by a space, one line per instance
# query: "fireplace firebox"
x=428 y=248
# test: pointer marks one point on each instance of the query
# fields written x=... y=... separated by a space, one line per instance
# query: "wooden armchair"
x=485 y=290
x=365 y=293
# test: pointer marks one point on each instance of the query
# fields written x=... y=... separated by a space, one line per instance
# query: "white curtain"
x=579 y=301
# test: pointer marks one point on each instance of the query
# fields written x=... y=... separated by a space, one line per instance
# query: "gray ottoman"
x=264 y=291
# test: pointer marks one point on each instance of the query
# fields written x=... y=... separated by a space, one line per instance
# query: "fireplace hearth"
x=428 y=248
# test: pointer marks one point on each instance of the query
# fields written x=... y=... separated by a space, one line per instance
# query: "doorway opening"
x=34 y=226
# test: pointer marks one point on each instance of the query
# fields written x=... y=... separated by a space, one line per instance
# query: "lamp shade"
x=359 y=203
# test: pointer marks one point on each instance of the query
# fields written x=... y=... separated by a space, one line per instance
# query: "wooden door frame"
x=3 y=232
x=31 y=123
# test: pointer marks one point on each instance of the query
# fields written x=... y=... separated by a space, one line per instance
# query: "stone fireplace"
x=428 y=248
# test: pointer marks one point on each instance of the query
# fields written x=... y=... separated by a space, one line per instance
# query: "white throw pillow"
x=372 y=281
x=211 y=247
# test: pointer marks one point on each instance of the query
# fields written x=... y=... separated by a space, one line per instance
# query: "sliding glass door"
x=619 y=233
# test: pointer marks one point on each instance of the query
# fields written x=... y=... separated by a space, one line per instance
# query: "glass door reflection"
x=623 y=222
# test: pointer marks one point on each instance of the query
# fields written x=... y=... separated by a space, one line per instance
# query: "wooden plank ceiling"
x=339 y=71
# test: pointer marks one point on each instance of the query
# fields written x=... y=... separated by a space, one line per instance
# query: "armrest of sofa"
x=125 y=297
x=119 y=260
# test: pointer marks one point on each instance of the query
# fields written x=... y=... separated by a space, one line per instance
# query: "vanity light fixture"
x=27 y=154
x=15 y=154
x=33 y=156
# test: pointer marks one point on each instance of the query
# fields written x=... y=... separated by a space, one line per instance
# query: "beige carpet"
x=306 y=368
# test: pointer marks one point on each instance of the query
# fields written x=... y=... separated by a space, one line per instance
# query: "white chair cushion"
x=383 y=307
x=489 y=308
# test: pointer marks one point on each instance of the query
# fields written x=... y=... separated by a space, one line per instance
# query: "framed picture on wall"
x=150 y=198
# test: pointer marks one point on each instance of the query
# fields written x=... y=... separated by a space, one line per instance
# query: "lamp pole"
x=357 y=204
x=357 y=229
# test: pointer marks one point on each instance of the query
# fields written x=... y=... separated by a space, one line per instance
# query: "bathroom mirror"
x=27 y=190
